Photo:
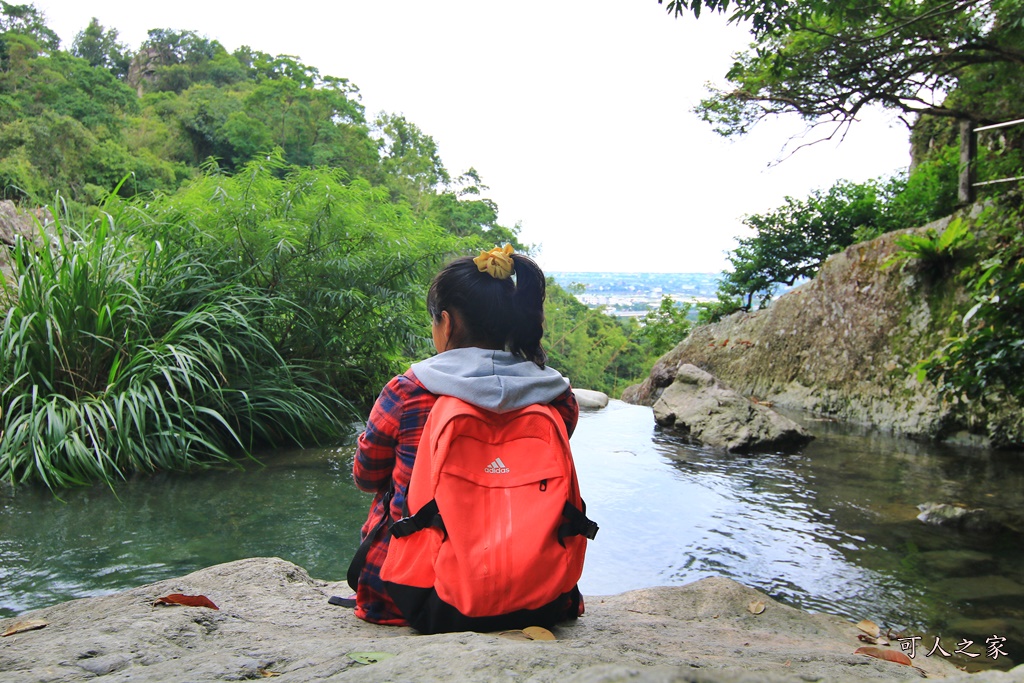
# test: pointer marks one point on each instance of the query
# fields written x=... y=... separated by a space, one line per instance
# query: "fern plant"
x=934 y=253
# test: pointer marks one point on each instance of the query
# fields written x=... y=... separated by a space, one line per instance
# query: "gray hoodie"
x=495 y=380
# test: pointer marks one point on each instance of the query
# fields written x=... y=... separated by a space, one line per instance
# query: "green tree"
x=56 y=149
x=63 y=127
x=26 y=20
x=665 y=326
x=307 y=113
x=348 y=146
x=180 y=47
x=35 y=82
x=203 y=112
x=791 y=242
x=170 y=60
x=910 y=200
x=409 y=157
x=594 y=350
x=827 y=60
x=93 y=96
x=466 y=213
x=100 y=48
x=712 y=311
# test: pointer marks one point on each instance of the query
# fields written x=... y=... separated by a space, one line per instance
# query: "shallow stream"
x=833 y=529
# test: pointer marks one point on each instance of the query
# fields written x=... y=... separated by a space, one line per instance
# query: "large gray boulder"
x=699 y=407
x=274 y=621
x=15 y=222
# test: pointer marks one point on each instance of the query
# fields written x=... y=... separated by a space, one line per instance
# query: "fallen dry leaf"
x=756 y=606
x=870 y=628
x=527 y=634
x=187 y=600
x=22 y=626
x=888 y=655
x=864 y=638
x=538 y=633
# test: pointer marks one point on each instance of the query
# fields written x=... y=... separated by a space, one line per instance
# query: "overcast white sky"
x=577 y=115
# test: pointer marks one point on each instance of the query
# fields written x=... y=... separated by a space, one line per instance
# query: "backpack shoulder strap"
x=355 y=567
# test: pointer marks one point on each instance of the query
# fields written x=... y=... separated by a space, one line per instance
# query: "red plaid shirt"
x=384 y=458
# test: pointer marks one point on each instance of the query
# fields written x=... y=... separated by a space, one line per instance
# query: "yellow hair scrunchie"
x=497 y=262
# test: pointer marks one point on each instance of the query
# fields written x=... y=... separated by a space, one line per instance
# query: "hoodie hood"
x=494 y=380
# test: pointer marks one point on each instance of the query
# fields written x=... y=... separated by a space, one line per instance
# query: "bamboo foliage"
x=354 y=264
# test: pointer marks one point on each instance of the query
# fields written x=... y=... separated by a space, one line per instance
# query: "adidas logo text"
x=496 y=467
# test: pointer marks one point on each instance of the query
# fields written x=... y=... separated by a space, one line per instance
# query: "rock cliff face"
x=14 y=222
x=842 y=346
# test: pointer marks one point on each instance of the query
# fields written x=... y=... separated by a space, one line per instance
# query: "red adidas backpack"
x=498 y=533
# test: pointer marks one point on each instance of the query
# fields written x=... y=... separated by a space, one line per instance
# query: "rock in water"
x=588 y=398
x=977 y=520
x=699 y=407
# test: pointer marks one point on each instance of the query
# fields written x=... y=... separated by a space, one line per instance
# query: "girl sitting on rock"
x=487 y=316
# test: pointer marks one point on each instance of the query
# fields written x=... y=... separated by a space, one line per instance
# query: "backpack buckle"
x=427 y=515
x=578 y=525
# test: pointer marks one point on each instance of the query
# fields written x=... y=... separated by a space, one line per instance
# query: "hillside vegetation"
x=230 y=256
x=236 y=254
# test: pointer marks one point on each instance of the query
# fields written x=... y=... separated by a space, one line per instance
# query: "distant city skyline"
x=633 y=294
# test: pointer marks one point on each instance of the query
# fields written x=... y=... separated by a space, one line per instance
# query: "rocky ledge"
x=845 y=345
x=699 y=408
x=274 y=621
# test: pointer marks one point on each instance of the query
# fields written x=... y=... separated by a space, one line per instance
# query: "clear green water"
x=831 y=530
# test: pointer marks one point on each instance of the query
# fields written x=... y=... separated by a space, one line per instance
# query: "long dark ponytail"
x=493 y=313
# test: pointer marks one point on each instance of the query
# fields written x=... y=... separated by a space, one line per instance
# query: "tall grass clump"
x=119 y=355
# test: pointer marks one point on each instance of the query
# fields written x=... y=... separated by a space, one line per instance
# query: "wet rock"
x=651 y=389
x=958 y=562
x=699 y=407
x=975 y=520
x=995 y=587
